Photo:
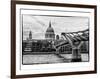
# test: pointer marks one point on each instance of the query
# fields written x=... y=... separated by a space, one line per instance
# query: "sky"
x=39 y=24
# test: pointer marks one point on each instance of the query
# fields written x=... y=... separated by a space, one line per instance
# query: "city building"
x=50 y=34
x=30 y=35
x=46 y=45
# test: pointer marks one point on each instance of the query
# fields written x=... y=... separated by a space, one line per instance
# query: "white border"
x=52 y=68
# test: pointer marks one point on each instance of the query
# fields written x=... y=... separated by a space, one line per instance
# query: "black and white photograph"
x=48 y=39
x=51 y=39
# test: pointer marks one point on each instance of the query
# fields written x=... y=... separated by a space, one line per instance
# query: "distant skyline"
x=39 y=24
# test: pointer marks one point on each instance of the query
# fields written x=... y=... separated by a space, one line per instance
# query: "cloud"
x=39 y=24
x=39 y=21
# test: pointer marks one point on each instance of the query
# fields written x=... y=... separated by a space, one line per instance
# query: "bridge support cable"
x=76 y=37
x=75 y=40
x=76 y=55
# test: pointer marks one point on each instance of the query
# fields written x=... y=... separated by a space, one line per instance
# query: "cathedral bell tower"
x=30 y=35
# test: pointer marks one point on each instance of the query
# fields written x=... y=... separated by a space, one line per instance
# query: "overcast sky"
x=39 y=24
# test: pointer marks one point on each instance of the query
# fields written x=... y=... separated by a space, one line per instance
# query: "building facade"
x=50 y=34
x=47 y=45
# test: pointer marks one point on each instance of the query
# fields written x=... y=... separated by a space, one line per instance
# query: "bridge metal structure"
x=75 y=39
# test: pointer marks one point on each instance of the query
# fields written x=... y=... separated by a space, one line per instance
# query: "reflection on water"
x=51 y=58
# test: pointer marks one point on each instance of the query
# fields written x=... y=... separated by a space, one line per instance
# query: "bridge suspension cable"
x=75 y=39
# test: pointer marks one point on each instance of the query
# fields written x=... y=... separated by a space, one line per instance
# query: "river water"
x=50 y=58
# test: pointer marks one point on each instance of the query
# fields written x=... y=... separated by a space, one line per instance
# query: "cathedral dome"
x=50 y=32
x=50 y=29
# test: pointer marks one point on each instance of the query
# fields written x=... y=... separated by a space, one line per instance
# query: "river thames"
x=51 y=58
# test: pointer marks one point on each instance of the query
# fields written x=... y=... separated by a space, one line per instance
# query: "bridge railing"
x=75 y=39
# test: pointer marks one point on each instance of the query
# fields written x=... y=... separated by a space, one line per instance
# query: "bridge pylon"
x=76 y=55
